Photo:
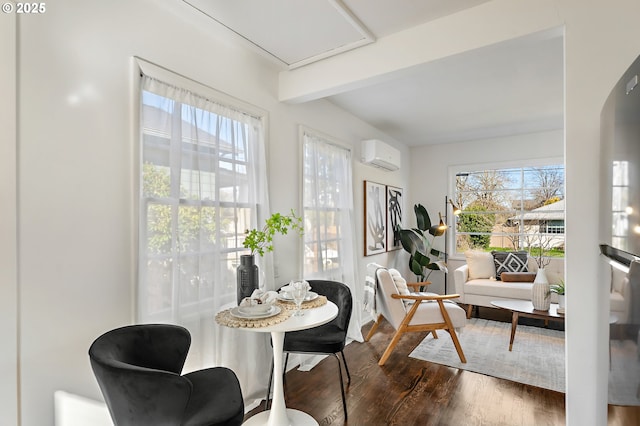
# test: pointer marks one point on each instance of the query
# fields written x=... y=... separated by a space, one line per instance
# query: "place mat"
x=309 y=304
x=225 y=318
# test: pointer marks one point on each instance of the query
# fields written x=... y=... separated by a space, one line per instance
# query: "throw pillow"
x=511 y=261
x=401 y=283
x=518 y=277
x=480 y=264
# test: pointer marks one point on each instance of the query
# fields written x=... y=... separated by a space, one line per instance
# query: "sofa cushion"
x=480 y=264
x=429 y=312
x=499 y=289
x=509 y=261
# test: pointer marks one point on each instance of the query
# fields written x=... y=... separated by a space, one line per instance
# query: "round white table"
x=279 y=414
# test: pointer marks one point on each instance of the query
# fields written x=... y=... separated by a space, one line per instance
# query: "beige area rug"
x=537 y=358
x=624 y=374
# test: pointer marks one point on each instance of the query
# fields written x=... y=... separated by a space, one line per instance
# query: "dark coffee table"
x=524 y=308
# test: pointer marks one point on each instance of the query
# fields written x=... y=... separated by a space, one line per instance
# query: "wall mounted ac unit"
x=379 y=154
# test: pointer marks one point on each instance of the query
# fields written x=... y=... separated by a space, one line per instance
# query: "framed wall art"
x=375 y=218
x=394 y=217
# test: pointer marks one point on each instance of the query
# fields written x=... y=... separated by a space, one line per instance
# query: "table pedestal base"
x=296 y=418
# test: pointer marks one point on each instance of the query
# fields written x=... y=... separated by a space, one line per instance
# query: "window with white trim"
x=327 y=208
x=511 y=208
x=201 y=180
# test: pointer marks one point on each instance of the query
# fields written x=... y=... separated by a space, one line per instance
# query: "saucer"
x=254 y=309
x=238 y=312
x=287 y=298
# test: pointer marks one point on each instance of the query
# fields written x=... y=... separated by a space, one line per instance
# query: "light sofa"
x=479 y=286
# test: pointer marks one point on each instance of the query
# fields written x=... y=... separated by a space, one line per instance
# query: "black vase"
x=247 y=276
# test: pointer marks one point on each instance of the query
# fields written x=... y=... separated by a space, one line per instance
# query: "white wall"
x=8 y=231
x=77 y=174
x=602 y=40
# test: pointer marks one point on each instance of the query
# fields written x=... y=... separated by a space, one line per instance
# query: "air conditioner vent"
x=379 y=154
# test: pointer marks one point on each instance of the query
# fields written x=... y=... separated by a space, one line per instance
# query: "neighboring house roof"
x=553 y=211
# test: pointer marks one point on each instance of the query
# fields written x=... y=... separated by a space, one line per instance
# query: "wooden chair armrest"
x=424 y=296
x=418 y=285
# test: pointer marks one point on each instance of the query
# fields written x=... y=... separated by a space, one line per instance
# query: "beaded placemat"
x=225 y=318
x=315 y=303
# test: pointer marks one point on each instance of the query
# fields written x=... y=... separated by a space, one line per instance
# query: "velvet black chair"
x=138 y=369
x=327 y=339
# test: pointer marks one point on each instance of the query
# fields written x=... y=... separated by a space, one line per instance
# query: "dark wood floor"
x=407 y=391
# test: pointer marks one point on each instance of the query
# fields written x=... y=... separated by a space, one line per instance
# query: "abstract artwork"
x=375 y=225
x=394 y=217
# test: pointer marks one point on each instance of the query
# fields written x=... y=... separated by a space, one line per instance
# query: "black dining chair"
x=327 y=339
x=138 y=368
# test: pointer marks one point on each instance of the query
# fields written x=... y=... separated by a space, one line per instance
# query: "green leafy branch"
x=261 y=241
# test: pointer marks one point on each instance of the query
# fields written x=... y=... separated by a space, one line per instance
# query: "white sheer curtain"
x=330 y=240
x=203 y=182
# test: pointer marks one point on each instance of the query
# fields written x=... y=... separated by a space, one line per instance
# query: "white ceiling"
x=512 y=87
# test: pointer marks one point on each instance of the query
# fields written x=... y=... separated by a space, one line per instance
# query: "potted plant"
x=418 y=242
x=260 y=241
x=560 y=291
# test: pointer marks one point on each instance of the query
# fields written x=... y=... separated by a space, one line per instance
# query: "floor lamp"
x=456 y=211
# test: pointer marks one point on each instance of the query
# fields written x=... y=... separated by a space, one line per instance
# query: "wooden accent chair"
x=424 y=312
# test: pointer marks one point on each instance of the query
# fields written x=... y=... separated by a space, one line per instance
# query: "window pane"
x=620 y=198
x=158 y=294
x=330 y=255
x=322 y=233
x=156 y=181
x=621 y=173
x=196 y=229
x=327 y=178
x=511 y=209
x=158 y=229
x=234 y=221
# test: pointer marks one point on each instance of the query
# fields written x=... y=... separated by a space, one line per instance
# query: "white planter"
x=540 y=292
x=561 y=301
x=541 y=277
